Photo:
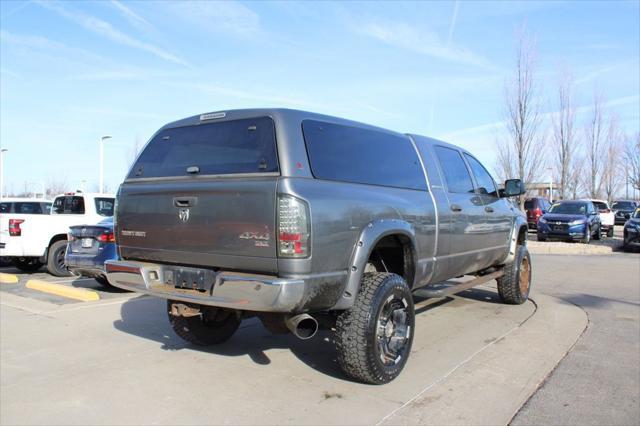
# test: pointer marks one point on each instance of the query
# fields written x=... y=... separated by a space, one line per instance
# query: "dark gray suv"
x=304 y=220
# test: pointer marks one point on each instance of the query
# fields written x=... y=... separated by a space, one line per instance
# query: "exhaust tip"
x=303 y=326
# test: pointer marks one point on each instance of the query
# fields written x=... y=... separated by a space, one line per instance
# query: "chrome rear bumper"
x=228 y=290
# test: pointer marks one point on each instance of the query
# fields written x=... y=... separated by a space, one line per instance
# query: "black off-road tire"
x=541 y=238
x=610 y=232
x=514 y=286
x=212 y=327
x=55 y=259
x=598 y=234
x=27 y=264
x=357 y=344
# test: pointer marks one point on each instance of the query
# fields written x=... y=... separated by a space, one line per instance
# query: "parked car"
x=535 y=207
x=89 y=247
x=623 y=210
x=570 y=220
x=631 y=232
x=33 y=240
x=607 y=216
x=301 y=219
x=20 y=206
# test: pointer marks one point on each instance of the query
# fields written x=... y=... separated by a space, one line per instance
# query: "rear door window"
x=455 y=171
x=27 y=208
x=358 y=155
x=219 y=148
x=5 y=207
x=104 y=206
x=70 y=204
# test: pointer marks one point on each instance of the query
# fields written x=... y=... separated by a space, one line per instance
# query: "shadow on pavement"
x=590 y=301
x=146 y=317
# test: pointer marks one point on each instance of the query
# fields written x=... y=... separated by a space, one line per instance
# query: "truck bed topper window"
x=360 y=155
x=217 y=148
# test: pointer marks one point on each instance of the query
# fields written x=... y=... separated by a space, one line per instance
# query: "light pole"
x=102 y=139
x=2 y=151
x=550 y=184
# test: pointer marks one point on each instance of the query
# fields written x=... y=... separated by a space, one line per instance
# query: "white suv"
x=607 y=217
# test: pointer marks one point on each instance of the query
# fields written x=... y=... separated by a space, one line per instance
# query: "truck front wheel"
x=373 y=338
x=210 y=327
x=515 y=284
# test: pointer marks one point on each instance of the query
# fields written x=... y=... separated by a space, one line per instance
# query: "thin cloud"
x=454 y=19
x=406 y=36
x=133 y=18
x=48 y=46
x=105 y=29
x=227 y=17
x=594 y=74
x=497 y=125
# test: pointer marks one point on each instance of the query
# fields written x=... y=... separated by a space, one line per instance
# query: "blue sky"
x=71 y=72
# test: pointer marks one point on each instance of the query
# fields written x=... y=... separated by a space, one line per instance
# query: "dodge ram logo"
x=183 y=215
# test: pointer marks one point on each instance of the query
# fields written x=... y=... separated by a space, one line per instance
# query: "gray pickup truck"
x=306 y=220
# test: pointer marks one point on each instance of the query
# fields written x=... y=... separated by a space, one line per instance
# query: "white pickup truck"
x=33 y=240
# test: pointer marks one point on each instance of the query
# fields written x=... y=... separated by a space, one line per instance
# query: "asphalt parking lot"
x=475 y=361
x=20 y=288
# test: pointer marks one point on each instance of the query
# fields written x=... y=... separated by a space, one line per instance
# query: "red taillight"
x=71 y=237
x=107 y=237
x=537 y=212
x=14 y=227
x=293 y=227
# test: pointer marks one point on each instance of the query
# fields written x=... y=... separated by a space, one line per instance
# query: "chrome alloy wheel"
x=393 y=330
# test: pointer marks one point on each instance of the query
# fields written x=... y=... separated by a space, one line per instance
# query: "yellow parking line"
x=63 y=290
x=8 y=278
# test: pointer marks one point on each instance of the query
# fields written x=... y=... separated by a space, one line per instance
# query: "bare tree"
x=564 y=141
x=595 y=133
x=613 y=168
x=135 y=150
x=574 y=180
x=521 y=154
x=504 y=166
x=632 y=159
x=56 y=186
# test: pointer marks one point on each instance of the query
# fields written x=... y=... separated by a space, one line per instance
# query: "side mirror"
x=513 y=187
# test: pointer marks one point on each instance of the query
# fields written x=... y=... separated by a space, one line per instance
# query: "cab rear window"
x=68 y=205
x=219 y=148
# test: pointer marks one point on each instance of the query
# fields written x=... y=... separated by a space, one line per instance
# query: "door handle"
x=488 y=209
x=185 y=201
x=456 y=208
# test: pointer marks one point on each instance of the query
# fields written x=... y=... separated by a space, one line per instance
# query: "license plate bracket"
x=201 y=280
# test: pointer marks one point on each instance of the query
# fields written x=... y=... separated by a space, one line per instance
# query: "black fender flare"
x=367 y=240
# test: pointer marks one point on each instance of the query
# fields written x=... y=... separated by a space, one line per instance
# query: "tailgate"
x=203 y=195
x=222 y=223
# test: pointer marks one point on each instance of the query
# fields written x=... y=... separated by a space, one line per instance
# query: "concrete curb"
x=539 y=247
x=63 y=290
x=497 y=381
x=8 y=278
